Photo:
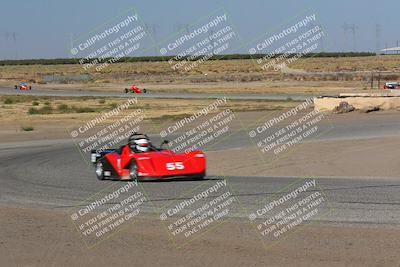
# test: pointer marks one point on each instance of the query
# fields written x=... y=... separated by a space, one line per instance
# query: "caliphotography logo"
x=199 y=133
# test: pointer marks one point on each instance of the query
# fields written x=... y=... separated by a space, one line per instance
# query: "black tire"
x=30 y=87
x=16 y=87
x=144 y=90
x=199 y=177
x=133 y=171
x=126 y=90
x=99 y=170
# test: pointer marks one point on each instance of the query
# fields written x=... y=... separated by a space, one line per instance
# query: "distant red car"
x=135 y=90
x=140 y=160
x=23 y=87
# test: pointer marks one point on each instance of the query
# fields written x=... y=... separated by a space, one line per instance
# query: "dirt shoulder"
x=32 y=237
x=38 y=118
x=305 y=76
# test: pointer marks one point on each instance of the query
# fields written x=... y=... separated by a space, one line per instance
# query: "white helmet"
x=142 y=145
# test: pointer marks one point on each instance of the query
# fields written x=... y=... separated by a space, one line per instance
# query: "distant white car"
x=391 y=85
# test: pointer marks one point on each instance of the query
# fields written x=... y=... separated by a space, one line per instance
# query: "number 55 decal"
x=174 y=166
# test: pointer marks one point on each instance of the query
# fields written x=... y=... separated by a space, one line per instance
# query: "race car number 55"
x=174 y=166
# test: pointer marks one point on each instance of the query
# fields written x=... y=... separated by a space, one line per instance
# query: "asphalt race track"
x=61 y=93
x=52 y=174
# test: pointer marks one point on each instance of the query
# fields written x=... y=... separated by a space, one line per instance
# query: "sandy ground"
x=47 y=238
x=38 y=237
x=306 y=75
x=357 y=158
x=359 y=103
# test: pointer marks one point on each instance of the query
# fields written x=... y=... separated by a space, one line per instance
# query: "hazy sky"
x=45 y=28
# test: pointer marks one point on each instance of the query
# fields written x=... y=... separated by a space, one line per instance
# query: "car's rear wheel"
x=144 y=90
x=100 y=170
x=16 y=87
x=199 y=176
x=126 y=90
x=133 y=171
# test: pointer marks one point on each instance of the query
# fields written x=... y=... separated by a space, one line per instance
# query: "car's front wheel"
x=100 y=170
x=133 y=171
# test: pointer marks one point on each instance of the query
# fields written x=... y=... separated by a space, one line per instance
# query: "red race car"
x=135 y=90
x=23 y=87
x=140 y=160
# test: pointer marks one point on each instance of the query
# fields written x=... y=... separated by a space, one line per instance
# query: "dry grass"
x=374 y=63
x=15 y=110
x=223 y=76
x=18 y=125
x=129 y=71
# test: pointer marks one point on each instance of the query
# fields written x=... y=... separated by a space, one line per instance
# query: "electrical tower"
x=13 y=37
x=353 y=29
x=378 y=33
x=345 y=28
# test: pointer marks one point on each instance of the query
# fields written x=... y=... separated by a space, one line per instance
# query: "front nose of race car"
x=167 y=164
